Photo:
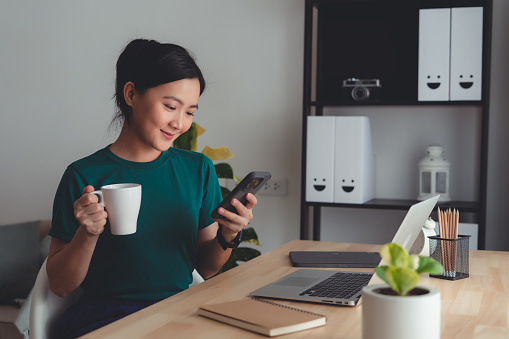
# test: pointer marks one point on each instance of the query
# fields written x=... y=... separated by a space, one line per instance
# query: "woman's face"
x=161 y=114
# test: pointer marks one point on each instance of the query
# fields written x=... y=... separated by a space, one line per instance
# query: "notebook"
x=343 y=288
x=262 y=316
x=334 y=259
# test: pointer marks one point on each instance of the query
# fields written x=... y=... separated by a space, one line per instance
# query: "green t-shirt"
x=179 y=191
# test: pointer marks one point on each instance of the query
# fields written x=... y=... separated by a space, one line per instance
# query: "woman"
x=157 y=92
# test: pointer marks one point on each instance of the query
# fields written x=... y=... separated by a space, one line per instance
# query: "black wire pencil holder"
x=453 y=254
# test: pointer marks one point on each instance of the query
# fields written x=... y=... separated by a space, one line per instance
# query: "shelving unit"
x=379 y=39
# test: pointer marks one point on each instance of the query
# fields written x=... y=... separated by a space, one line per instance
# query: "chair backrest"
x=197 y=278
x=46 y=307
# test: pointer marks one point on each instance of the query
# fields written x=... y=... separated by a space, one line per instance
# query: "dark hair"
x=147 y=64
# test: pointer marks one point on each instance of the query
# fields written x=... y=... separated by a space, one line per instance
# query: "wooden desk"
x=475 y=307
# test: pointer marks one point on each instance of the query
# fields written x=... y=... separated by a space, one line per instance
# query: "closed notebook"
x=262 y=316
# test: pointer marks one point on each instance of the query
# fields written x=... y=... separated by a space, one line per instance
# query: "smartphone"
x=250 y=184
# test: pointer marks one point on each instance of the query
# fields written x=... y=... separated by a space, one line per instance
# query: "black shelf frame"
x=323 y=104
x=310 y=229
x=387 y=204
x=402 y=204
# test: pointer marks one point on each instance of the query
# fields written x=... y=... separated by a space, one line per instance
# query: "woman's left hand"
x=235 y=222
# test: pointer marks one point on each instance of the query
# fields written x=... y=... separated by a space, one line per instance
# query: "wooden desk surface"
x=475 y=307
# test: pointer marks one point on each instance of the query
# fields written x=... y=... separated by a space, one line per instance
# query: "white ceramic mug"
x=122 y=202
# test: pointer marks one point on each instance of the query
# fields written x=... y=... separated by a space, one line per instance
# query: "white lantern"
x=434 y=174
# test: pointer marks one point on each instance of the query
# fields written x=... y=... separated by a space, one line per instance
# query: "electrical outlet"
x=275 y=187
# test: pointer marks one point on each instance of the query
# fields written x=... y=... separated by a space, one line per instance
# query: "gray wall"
x=56 y=82
x=57 y=65
x=497 y=234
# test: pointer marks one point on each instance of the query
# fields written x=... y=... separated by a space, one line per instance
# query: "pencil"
x=457 y=223
x=440 y=223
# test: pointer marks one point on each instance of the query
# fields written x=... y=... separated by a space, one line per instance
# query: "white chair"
x=46 y=307
x=197 y=278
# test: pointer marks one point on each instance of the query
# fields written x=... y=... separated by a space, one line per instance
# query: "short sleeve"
x=211 y=193
x=64 y=224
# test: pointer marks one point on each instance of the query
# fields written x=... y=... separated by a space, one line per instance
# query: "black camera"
x=362 y=90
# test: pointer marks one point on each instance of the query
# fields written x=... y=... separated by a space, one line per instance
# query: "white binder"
x=354 y=172
x=320 y=159
x=466 y=53
x=434 y=54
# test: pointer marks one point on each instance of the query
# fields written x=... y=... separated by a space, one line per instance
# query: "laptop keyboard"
x=340 y=285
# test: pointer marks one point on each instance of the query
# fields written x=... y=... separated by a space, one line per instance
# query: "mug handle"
x=100 y=194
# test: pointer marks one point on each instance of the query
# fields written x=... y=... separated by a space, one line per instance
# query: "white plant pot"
x=396 y=317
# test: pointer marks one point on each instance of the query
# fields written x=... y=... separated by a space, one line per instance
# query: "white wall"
x=57 y=65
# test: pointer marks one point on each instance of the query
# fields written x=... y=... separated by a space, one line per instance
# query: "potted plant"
x=402 y=308
x=189 y=141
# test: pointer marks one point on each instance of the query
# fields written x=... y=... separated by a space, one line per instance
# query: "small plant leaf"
x=402 y=270
x=215 y=154
x=394 y=255
x=413 y=262
x=402 y=279
x=429 y=265
x=380 y=271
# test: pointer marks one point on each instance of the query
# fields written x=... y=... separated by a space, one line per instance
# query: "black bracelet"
x=222 y=241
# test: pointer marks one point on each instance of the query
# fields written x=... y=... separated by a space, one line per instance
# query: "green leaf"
x=394 y=255
x=224 y=170
x=429 y=265
x=249 y=235
x=224 y=192
x=413 y=262
x=217 y=154
x=380 y=271
x=402 y=271
x=189 y=140
x=230 y=263
x=402 y=279
x=199 y=130
x=244 y=253
x=239 y=254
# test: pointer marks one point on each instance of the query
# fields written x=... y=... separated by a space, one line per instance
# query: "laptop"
x=343 y=288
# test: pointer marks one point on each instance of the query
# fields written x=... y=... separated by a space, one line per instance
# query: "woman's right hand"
x=89 y=212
